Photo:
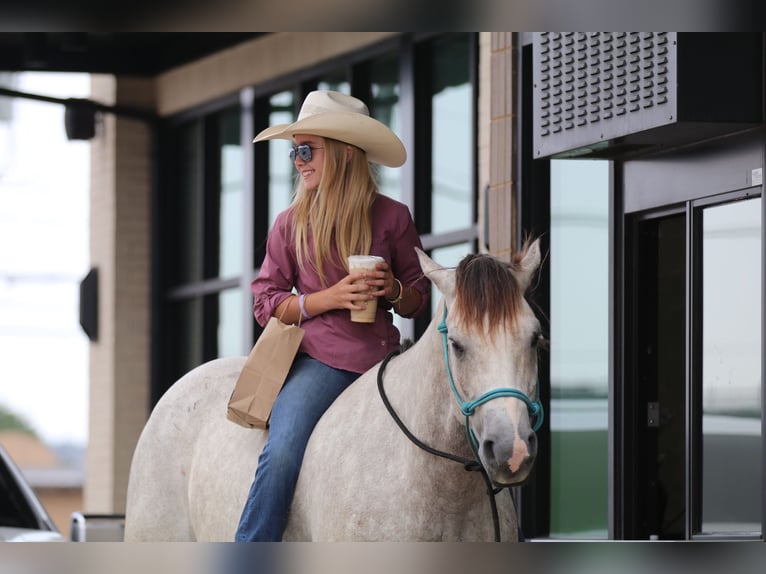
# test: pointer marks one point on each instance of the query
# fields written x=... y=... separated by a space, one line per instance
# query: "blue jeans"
x=310 y=388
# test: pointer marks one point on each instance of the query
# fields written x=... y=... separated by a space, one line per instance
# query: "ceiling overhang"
x=130 y=53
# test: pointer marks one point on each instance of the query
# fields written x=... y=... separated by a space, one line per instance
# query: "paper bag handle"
x=282 y=314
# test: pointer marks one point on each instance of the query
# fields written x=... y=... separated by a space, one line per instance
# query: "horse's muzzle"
x=509 y=462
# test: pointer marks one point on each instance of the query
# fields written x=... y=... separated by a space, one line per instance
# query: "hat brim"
x=379 y=142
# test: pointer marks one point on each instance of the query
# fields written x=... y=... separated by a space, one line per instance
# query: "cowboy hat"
x=343 y=118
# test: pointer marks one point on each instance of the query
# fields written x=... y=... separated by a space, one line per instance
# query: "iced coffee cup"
x=357 y=264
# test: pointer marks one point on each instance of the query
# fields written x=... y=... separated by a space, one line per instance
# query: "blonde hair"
x=338 y=212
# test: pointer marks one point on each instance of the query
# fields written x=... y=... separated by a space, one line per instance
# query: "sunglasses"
x=303 y=151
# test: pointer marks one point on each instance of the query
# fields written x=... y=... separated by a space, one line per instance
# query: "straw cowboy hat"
x=344 y=118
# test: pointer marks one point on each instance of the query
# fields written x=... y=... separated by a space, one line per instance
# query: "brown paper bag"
x=264 y=374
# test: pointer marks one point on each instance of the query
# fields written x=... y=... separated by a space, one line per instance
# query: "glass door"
x=692 y=450
x=728 y=413
x=655 y=419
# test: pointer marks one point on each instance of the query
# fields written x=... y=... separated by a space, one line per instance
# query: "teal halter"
x=534 y=408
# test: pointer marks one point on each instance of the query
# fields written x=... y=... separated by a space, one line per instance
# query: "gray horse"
x=362 y=478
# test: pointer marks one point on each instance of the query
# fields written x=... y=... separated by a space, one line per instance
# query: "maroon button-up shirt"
x=332 y=337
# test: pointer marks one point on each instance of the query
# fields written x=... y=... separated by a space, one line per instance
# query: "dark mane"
x=487 y=295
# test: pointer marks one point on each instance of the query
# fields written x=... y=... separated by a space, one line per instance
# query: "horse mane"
x=487 y=295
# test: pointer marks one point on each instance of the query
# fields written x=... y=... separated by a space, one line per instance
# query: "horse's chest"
x=399 y=504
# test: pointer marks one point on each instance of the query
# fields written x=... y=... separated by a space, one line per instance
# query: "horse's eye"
x=539 y=341
x=457 y=348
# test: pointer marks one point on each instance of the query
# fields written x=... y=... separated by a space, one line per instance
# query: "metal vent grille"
x=584 y=82
x=602 y=93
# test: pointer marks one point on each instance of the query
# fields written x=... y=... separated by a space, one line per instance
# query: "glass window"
x=188 y=335
x=384 y=107
x=210 y=234
x=452 y=139
x=231 y=245
x=190 y=202
x=447 y=257
x=281 y=171
x=579 y=348
x=231 y=321
x=335 y=81
x=732 y=487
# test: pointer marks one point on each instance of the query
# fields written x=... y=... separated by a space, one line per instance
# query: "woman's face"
x=310 y=170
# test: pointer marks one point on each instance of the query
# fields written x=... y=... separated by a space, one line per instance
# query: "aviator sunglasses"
x=303 y=151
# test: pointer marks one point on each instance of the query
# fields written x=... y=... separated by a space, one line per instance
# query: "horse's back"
x=168 y=466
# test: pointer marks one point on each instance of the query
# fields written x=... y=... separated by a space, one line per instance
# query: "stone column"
x=501 y=208
x=120 y=232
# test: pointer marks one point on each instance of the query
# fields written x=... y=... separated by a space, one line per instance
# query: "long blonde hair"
x=338 y=212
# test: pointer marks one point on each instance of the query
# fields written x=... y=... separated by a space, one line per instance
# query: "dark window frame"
x=533 y=200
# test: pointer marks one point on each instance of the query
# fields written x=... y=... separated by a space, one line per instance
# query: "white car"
x=22 y=516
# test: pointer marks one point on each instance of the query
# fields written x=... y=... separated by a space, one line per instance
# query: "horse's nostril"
x=532 y=444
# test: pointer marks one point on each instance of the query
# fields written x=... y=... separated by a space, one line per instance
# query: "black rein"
x=470 y=465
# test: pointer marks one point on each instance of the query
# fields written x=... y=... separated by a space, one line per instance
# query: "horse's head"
x=491 y=338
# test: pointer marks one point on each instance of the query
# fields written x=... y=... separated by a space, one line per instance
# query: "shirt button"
x=382 y=343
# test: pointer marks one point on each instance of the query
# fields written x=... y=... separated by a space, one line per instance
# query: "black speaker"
x=80 y=119
x=89 y=304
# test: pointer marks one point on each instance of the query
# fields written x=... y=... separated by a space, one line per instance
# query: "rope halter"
x=534 y=408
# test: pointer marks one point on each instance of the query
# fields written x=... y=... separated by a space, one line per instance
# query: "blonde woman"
x=337 y=212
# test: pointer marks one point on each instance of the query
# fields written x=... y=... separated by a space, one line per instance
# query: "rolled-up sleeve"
x=276 y=278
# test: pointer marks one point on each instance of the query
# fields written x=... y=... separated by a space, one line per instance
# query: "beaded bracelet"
x=301 y=302
x=398 y=298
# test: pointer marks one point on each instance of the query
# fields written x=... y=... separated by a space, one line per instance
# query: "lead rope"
x=469 y=465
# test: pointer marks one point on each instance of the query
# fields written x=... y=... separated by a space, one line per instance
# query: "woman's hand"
x=382 y=281
x=351 y=292
x=348 y=293
x=358 y=287
x=354 y=290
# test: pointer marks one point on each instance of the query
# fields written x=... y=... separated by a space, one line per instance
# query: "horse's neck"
x=418 y=388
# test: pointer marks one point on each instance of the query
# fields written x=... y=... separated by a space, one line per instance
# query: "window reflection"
x=336 y=82
x=231 y=198
x=452 y=139
x=189 y=335
x=384 y=107
x=231 y=319
x=281 y=171
x=579 y=348
x=447 y=257
x=731 y=367
x=190 y=202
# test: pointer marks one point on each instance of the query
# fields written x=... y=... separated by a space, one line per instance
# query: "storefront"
x=651 y=146
x=637 y=157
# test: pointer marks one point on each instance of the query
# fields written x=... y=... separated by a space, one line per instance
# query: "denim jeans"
x=310 y=388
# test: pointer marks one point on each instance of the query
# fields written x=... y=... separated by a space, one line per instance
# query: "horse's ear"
x=526 y=266
x=443 y=278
